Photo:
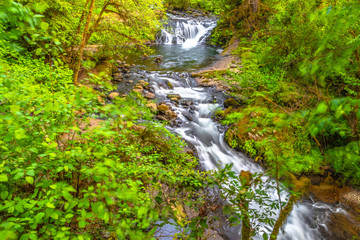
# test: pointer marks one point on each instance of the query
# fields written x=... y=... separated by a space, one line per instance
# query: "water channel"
x=183 y=50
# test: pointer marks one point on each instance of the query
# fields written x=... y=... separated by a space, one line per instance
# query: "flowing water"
x=183 y=50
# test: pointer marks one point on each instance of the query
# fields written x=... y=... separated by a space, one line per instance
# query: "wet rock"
x=170 y=115
x=150 y=96
x=158 y=60
x=174 y=96
x=138 y=89
x=169 y=84
x=231 y=102
x=143 y=83
x=188 y=116
x=151 y=89
x=186 y=103
x=101 y=100
x=152 y=107
x=161 y=117
x=118 y=77
x=163 y=108
x=174 y=100
x=113 y=95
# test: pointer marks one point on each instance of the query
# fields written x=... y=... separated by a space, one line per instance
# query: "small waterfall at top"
x=183 y=49
x=186 y=32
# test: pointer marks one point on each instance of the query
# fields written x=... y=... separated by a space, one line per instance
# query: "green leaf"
x=38 y=51
x=265 y=236
x=3 y=177
x=50 y=205
x=29 y=180
x=31 y=173
x=4 y=194
x=82 y=224
x=44 y=26
x=54 y=215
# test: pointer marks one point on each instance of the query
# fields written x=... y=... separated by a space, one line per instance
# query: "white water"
x=308 y=219
x=186 y=32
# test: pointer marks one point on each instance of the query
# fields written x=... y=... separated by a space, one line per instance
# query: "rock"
x=126 y=66
x=231 y=102
x=152 y=107
x=138 y=89
x=233 y=66
x=175 y=100
x=160 y=117
x=150 y=96
x=118 y=76
x=169 y=84
x=113 y=95
x=151 y=89
x=170 y=115
x=188 y=116
x=127 y=76
x=174 y=96
x=158 y=60
x=101 y=100
x=186 y=103
x=163 y=108
x=130 y=81
x=143 y=83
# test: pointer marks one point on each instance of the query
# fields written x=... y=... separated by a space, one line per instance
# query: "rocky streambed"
x=188 y=106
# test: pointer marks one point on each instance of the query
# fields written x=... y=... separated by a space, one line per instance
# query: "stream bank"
x=190 y=106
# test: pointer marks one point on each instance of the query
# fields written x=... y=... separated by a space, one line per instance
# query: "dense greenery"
x=301 y=83
x=73 y=167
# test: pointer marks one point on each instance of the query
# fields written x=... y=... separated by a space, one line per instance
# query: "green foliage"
x=346 y=161
x=65 y=174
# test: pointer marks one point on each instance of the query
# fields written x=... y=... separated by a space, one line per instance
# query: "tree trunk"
x=83 y=43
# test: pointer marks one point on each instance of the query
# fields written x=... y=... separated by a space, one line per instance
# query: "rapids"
x=182 y=46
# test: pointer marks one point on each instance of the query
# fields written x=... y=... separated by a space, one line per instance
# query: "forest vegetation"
x=75 y=165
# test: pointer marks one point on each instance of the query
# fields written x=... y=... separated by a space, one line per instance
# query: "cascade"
x=185 y=32
x=308 y=219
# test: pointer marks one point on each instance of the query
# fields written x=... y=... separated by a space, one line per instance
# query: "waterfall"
x=186 y=32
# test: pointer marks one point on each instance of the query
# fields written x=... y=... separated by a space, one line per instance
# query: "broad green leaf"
x=3 y=177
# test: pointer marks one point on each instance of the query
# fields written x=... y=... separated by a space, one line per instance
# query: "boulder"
x=170 y=115
x=163 y=108
x=101 y=100
x=188 y=116
x=113 y=95
x=151 y=89
x=143 y=83
x=158 y=60
x=138 y=89
x=150 y=96
x=118 y=77
x=160 y=117
x=152 y=107
x=174 y=96
x=231 y=102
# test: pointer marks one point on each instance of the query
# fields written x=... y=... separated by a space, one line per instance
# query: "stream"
x=183 y=50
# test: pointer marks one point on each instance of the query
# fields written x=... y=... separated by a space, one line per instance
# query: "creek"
x=182 y=48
